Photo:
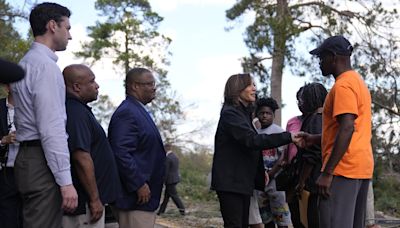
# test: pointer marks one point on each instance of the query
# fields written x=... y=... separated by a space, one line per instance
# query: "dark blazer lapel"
x=149 y=119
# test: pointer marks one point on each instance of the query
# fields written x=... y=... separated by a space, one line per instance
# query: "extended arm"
x=240 y=127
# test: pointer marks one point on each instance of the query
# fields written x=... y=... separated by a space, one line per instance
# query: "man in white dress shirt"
x=42 y=167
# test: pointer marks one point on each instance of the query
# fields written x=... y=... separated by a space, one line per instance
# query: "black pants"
x=10 y=200
x=170 y=191
x=295 y=212
x=312 y=211
x=234 y=209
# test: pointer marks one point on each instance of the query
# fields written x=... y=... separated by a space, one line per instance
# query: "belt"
x=31 y=143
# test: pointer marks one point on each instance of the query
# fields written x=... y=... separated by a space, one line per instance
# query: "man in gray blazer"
x=172 y=178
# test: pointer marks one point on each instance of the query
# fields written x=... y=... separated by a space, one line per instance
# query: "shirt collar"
x=72 y=97
x=9 y=106
x=44 y=49
x=340 y=76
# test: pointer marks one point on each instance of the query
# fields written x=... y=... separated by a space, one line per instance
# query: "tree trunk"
x=126 y=62
x=278 y=59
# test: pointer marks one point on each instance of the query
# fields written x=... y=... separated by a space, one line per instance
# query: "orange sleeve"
x=345 y=101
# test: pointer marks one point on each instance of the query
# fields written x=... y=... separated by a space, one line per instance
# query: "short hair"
x=299 y=93
x=313 y=96
x=42 y=13
x=133 y=75
x=234 y=86
x=267 y=102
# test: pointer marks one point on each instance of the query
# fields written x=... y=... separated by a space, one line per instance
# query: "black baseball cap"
x=335 y=44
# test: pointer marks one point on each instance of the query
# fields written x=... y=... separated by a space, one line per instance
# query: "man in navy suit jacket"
x=139 y=152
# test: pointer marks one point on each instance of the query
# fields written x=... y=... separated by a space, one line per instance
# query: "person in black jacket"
x=10 y=72
x=10 y=200
x=237 y=163
x=172 y=178
x=313 y=98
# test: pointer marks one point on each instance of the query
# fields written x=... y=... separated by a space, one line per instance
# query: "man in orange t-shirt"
x=346 y=139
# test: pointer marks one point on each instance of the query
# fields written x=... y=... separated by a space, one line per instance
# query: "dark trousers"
x=10 y=201
x=41 y=198
x=295 y=212
x=170 y=192
x=346 y=206
x=312 y=211
x=234 y=209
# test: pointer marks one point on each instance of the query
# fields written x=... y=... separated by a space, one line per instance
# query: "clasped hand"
x=9 y=139
x=302 y=139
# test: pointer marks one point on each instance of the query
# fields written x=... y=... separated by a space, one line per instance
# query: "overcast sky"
x=204 y=55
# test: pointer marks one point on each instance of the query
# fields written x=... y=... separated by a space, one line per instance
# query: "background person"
x=273 y=206
x=172 y=178
x=294 y=125
x=10 y=200
x=310 y=161
x=10 y=72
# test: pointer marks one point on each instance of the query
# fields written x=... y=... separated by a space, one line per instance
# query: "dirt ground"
x=197 y=215
x=207 y=215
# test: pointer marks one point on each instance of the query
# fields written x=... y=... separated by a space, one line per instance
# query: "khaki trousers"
x=41 y=197
x=82 y=221
x=135 y=219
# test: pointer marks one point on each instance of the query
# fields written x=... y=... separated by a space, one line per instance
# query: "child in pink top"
x=294 y=125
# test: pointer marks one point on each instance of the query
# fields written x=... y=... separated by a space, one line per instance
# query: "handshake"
x=304 y=139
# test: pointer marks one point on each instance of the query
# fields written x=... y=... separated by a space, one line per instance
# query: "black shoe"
x=182 y=212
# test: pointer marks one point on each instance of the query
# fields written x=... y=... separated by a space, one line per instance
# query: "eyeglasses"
x=148 y=84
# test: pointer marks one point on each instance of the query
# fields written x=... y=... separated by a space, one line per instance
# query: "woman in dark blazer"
x=237 y=164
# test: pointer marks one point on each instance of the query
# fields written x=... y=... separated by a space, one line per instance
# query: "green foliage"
x=128 y=35
x=280 y=28
x=194 y=168
x=13 y=45
x=284 y=31
x=103 y=109
x=387 y=195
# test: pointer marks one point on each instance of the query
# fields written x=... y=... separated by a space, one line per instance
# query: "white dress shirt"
x=40 y=109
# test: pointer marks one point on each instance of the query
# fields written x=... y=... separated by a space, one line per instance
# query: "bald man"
x=94 y=171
